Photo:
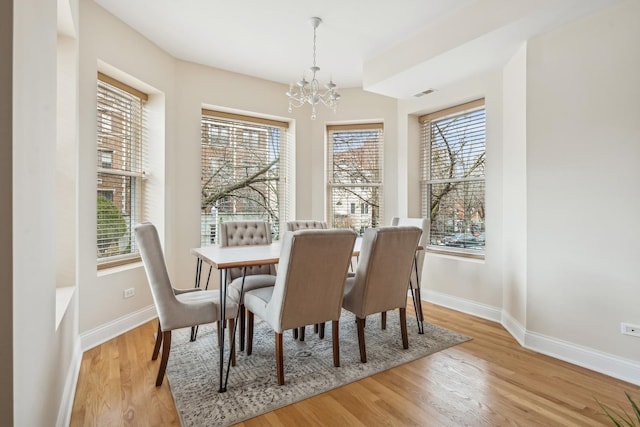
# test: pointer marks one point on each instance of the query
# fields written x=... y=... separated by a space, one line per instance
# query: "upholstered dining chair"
x=309 y=287
x=416 y=271
x=382 y=275
x=307 y=224
x=176 y=308
x=243 y=233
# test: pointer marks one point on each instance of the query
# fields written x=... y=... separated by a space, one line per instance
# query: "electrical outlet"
x=629 y=329
x=128 y=293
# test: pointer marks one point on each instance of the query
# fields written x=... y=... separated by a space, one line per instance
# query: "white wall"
x=106 y=44
x=42 y=355
x=561 y=265
x=6 y=213
x=514 y=189
x=453 y=280
x=583 y=133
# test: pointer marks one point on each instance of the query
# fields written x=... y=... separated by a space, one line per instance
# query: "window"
x=120 y=135
x=245 y=173
x=453 y=177
x=107 y=194
x=105 y=158
x=355 y=175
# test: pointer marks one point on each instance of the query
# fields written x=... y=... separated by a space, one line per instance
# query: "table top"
x=246 y=256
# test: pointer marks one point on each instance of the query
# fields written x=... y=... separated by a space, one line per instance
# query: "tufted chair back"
x=242 y=233
x=306 y=225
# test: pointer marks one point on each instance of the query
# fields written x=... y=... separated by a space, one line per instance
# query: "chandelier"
x=309 y=92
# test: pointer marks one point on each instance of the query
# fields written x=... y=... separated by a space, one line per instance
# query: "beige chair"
x=307 y=224
x=416 y=271
x=176 y=308
x=309 y=287
x=382 y=277
x=242 y=233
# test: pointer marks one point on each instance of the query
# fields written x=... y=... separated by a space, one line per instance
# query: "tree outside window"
x=355 y=175
x=453 y=170
x=244 y=174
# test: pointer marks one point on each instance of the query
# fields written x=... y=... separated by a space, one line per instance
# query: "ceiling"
x=396 y=48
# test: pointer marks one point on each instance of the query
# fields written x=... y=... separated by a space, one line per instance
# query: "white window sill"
x=63 y=299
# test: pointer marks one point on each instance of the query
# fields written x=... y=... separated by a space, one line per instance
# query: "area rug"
x=252 y=389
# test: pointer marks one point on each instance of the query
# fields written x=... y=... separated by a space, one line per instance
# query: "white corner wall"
x=472 y=285
x=6 y=213
x=583 y=133
x=44 y=359
x=514 y=190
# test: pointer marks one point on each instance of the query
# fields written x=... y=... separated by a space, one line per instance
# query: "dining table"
x=223 y=258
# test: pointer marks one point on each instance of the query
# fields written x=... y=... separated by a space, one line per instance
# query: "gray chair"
x=382 y=275
x=176 y=308
x=309 y=287
x=416 y=271
x=307 y=224
x=242 y=233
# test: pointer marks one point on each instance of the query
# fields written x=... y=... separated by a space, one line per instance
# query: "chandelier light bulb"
x=309 y=92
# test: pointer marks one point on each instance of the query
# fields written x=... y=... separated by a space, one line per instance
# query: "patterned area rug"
x=308 y=367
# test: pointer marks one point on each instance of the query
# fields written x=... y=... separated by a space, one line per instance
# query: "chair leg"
x=315 y=328
x=363 y=351
x=231 y=327
x=295 y=333
x=321 y=331
x=302 y=328
x=279 y=359
x=383 y=320
x=166 y=347
x=242 y=321
x=335 y=324
x=403 y=328
x=249 y=332
x=219 y=331
x=156 y=348
x=418 y=298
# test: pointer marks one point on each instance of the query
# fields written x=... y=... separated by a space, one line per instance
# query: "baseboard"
x=116 y=327
x=607 y=364
x=514 y=327
x=69 y=392
x=464 y=305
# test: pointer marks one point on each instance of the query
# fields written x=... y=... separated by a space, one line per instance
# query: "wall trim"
x=69 y=392
x=464 y=305
x=604 y=363
x=103 y=333
x=514 y=327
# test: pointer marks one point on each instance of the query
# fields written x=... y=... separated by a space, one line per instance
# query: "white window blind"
x=245 y=169
x=120 y=152
x=355 y=176
x=453 y=177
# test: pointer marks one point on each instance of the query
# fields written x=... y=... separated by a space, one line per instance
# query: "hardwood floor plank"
x=488 y=381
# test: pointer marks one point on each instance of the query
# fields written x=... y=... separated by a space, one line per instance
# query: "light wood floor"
x=488 y=381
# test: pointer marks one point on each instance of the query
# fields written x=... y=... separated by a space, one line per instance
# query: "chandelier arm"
x=309 y=92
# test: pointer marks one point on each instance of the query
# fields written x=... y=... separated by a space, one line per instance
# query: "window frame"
x=133 y=176
x=426 y=182
x=377 y=186
x=244 y=132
